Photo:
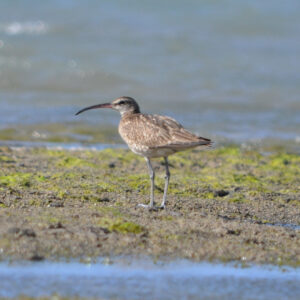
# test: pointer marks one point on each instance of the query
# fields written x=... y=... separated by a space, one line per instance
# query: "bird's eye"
x=121 y=102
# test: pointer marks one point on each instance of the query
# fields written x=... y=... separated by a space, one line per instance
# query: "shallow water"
x=124 y=278
x=290 y=226
x=58 y=146
x=222 y=68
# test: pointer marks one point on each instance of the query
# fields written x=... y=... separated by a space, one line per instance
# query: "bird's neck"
x=129 y=113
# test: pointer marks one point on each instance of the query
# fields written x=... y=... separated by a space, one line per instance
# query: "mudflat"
x=227 y=204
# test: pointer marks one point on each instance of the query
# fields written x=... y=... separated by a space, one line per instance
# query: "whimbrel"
x=151 y=136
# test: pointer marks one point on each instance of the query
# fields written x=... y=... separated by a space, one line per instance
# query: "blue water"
x=59 y=146
x=223 y=68
x=124 y=278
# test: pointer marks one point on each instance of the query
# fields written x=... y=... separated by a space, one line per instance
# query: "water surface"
x=223 y=68
x=124 y=278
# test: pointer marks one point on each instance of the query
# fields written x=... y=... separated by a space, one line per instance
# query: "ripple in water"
x=30 y=27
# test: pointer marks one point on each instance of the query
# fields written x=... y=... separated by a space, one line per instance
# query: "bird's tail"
x=204 y=142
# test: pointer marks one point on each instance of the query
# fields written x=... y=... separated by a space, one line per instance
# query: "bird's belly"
x=150 y=152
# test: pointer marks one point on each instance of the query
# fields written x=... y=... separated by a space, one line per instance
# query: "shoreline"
x=61 y=204
x=268 y=145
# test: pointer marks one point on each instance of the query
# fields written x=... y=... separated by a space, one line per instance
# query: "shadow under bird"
x=151 y=136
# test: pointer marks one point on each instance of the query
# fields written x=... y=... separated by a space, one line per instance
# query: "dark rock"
x=56 y=204
x=286 y=162
x=104 y=199
x=28 y=233
x=56 y=226
x=221 y=193
x=98 y=230
x=233 y=232
x=21 y=232
x=105 y=230
x=111 y=165
x=96 y=215
x=36 y=257
x=226 y=218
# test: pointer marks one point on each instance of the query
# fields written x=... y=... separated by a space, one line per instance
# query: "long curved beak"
x=104 y=105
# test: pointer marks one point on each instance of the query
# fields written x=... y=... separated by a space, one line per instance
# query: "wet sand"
x=228 y=204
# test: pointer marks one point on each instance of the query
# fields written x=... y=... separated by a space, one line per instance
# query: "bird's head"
x=122 y=104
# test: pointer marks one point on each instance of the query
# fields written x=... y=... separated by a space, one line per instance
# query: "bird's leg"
x=167 y=178
x=152 y=176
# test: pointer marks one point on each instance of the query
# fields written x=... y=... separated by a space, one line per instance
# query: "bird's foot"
x=151 y=207
x=145 y=205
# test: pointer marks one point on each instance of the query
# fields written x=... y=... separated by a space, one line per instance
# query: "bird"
x=151 y=136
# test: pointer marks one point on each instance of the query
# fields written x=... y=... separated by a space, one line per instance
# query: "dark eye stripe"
x=121 y=102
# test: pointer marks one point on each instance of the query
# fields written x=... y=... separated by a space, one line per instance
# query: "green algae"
x=126 y=227
x=114 y=220
x=107 y=210
x=16 y=179
x=121 y=226
x=70 y=162
x=104 y=186
x=4 y=158
x=238 y=199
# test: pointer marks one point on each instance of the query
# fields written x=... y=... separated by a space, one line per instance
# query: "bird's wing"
x=157 y=131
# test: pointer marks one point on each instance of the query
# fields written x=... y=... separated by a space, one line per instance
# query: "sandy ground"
x=228 y=204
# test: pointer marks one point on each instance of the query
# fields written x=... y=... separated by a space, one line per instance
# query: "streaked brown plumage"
x=154 y=135
x=151 y=136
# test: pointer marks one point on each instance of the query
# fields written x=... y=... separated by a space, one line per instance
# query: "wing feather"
x=158 y=132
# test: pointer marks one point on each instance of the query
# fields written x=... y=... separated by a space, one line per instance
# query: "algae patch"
x=20 y=179
x=121 y=226
x=70 y=162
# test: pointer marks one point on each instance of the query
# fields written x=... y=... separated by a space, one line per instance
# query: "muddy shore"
x=227 y=204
